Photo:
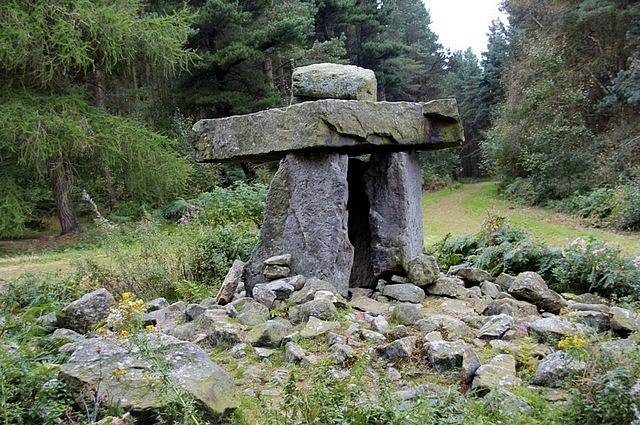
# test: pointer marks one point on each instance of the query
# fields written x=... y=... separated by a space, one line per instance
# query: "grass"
x=461 y=210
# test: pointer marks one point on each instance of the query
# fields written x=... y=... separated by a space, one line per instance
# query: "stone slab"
x=332 y=126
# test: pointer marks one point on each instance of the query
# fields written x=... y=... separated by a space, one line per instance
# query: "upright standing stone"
x=394 y=189
x=306 y=214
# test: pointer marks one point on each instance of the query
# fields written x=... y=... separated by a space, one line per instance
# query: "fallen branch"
x=86 y=197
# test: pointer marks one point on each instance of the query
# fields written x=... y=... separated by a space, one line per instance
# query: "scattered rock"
x=360 y=292
x=63 y=336
x=308 y=291
x=264 y=353
x=157 y=304
x=450 y=327
x=193 y=311
x=368 y=335
x=556 y=367
x=444 y=355
x=316 y=327
x=446 y=286
x=470 y=364
x=369 y=305
x=412 y=394
x=496 y=327
x=504 y=281
x=250 y=312
x=393 y=374
x=597 y=320
x=230 y=283
x=407 y=313
x=552 y=329
x=293 y=353
x=238 y=351
x=472 y=275
x=278 y=260
x=499 y=373
x=514 y=308
x=341 y=353
x=380 y=324
x=399 y=349
x=86 y=312
x=490 y=289
x=273 y=272
x=624 y=321
x=126 y=376
x=322 y=309
x=269 y=333
x=405 y=292
x=423 y=270
x=530 y=287
x=264 y=295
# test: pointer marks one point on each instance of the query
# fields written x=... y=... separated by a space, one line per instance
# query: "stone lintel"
x=329 y=126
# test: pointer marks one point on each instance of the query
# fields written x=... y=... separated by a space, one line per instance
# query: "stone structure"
x=346 y=199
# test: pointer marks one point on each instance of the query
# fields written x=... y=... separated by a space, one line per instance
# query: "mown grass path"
x=461 y=210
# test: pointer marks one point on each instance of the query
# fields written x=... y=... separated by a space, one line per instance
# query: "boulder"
x=193 y=311
x=341 y=353
x=330 y=126
x=597 y=320
x=504 y=281
x=556 y=367
x=407 y=313
x=624 y=321
x=157 y=304
x=333 y=81
x=552 y=329
x=269 y=333
x=380 y=324
x=273 y=272
x=369 y=305
x=470 y=364
x=167 y=318
x=399 y=349
x=301 y=220
x=445 y=355
x=404 y=292
x=278 y=260
x=86 y=312
x=490 y=289
x=126 y=376
x=446 y=286
x=293 y=353
x=423 y=270
x=530 y=287
x=308 y=291
x=250 y=312
x=321 y=308
x=472 y=275
x=496 y=327
x=514 y=308
x=316 y=327
x=230 y=283
x=499 y=373
x=451 y=327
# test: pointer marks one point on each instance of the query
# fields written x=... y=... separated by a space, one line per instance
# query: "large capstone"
x=335 y=126
x=333 y=81
x=306 y=214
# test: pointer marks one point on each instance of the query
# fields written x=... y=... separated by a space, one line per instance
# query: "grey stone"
x=316 y=327
x=574 y=306
x=619 y=347
x=412 y=394
x=556 y=367
x=393 y=184
x=334 y=338
x=250 y=312
x=369 y=305
x=451 y=327
x=369 y=335
x=278 y=260
x=322 y=309
x=86 y=312
x=126 y=377
x=530 y=287
x=470 y=364
x=63 y=336
x=473 y=275
x=157 y=304
x=490 y=289
x=399 y=349
x=405 y=292
x=444 y=355
x=341 y=353
x=597 y=320
x=433 y=336
x=264 y=353
x=333 y=81
x=423 y=270
x=238 y=351
x=281 y=287
x=264 y=295
x=446 y=286
x=230 y=283
x=308 y=291
x=496 y=327
x=360 y=293
x=380 y=324
x=393 y=374
x=326 y=296
x=269 y=333
x=624 y=321
x=193 y=310
x=293 y=353
x=519 y=309
x=407 y=313
x=333 y=126
x=504 y=281
x=552 y=329
x=399 y=279
x=273 y=272
x=301 y=220
x=499 y=373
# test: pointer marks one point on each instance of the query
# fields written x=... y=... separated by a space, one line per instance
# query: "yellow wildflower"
x=149 y=328
x=119 y=373
x=126 y=296
x=569 y=342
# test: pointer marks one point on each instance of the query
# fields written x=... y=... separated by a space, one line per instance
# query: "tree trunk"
x=61 y=188
x=98 y=96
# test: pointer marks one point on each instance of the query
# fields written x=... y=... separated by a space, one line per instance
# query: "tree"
x=51 y=53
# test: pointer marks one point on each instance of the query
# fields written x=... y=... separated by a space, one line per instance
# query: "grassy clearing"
x=461 y=210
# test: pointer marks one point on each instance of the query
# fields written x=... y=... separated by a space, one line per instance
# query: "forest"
x=122 y=294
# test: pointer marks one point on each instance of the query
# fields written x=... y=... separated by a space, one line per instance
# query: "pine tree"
x=56 y=57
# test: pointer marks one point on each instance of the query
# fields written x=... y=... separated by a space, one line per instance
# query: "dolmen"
x=346 y=201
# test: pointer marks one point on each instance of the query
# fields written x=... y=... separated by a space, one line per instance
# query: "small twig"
x=86 y=197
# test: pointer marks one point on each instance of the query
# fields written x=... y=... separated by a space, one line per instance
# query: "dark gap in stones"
x=359 y=230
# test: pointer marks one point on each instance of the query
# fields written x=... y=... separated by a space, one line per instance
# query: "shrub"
x=626 y=207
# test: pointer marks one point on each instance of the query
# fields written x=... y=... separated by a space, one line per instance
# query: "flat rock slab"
x=340 y=126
